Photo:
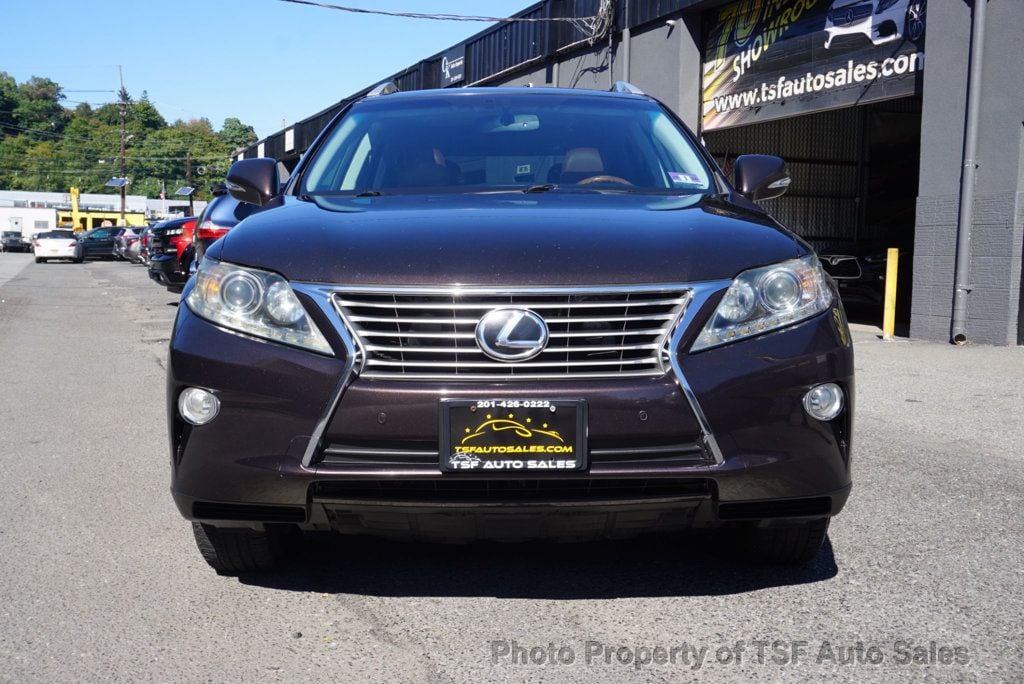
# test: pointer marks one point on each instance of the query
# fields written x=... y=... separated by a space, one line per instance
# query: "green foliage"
x=48 y=147
x=235 y=134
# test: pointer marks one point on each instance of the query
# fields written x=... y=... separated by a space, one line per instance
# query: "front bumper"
x=374 y=468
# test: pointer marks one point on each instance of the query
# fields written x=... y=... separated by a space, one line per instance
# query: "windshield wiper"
x=542 y=187
x=370 y=193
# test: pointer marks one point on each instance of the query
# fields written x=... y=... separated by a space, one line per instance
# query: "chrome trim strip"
x=483 y=377
x=550 y=350
x=699 y=292
x=519 y=364
x=323 y=297
x=505 y=291
x=474 y=321
x=525 y=305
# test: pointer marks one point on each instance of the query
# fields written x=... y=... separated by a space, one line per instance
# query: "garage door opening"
x=854 y=192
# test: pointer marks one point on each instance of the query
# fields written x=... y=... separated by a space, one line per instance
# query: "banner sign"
x=766 y=59
x=453 y=66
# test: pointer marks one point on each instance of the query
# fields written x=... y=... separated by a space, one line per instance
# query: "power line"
x=99 y=158
x=429 y=15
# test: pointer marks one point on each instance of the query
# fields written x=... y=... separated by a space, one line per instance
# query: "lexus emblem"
x=511 y=334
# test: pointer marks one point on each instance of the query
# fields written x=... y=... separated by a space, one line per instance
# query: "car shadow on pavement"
x=647 y=567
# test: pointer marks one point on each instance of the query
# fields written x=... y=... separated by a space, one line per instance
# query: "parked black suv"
x=509 y=313
x=12 y=241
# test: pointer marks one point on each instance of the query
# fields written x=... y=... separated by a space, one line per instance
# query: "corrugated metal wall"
x=507 y=46
x=828 y=158
x=823 y=152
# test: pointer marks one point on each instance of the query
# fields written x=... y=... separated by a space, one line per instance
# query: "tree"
x=39 y=109
x=8 y=104
x=144 y=117
x=44 y=146
x=236 y=134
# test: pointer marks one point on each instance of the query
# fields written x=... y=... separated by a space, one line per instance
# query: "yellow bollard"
x=892 y=259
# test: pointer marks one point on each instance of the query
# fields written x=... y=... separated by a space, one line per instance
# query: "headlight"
x=254 y=302
x=764 y=299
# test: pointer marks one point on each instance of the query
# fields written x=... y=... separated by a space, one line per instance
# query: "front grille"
x=512 y=491
x=425 y=453
x=430 y=334
x=850 y=15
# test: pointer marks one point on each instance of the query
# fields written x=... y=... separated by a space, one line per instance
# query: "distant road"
x=11 y=264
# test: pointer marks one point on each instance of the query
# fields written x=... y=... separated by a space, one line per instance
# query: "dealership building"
x=902 y=122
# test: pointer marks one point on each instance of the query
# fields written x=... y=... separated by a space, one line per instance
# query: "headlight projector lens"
x=824 y=402
x=198 y=406
x=781 y=291
x=241 y=293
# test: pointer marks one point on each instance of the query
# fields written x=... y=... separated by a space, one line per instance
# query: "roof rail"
x=385 y=88
x=624 y=87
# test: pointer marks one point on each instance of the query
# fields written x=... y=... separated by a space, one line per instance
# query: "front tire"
x=232 y=551
x=914 y=24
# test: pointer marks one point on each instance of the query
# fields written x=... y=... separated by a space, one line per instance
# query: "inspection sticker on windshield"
x=684 y=178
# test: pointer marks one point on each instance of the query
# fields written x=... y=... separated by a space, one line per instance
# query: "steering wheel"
x=604 y=179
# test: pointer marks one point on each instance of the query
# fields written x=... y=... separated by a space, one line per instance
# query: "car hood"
x=557 y=238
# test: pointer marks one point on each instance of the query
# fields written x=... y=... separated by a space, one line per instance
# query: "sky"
x=264 y=61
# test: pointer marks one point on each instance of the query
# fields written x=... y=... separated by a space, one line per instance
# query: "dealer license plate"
x=501 y=435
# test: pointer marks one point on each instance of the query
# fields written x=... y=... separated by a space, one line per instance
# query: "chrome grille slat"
x=496 y=365
x=429 y=333
x=459 y=350
x=473 y=321
x=486 y=307
x=469 y=335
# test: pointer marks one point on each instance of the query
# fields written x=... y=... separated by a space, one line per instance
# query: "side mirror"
x=761 y=176
x=253 y=180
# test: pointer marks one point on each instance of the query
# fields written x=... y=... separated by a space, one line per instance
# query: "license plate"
x=502 y=435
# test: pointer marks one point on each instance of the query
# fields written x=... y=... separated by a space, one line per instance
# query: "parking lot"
x=920 y=579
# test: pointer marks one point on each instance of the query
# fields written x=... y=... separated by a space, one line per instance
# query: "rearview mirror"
x=253 y=180
x=761 y=176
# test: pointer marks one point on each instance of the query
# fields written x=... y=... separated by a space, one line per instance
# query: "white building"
x=32 y=212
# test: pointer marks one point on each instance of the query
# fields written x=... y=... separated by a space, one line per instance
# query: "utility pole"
x=122 y=106
x=188 y=183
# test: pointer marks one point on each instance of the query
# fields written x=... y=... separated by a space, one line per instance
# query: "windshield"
x=11 y=233
x=57 y=235
x=474 y=142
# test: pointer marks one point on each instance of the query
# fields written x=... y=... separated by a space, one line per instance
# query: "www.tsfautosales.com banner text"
x=765 y=59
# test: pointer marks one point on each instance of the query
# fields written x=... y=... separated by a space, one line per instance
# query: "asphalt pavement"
x=921 y=579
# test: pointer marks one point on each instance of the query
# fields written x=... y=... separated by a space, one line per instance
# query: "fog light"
x=198 y=406
x=824 y=402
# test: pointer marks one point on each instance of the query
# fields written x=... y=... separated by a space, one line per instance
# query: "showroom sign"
x=453 y=66
x=766 y=59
